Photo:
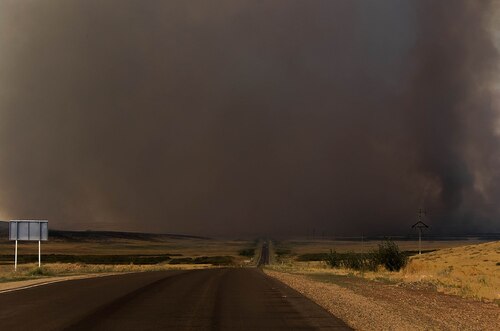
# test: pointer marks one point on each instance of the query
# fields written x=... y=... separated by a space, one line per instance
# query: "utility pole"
x=419 y=226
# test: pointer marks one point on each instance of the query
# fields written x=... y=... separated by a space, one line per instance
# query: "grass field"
x=299 y=247
x=180 y=247
x=80 y=253
x=469 y=268
x=466 y=268
x=469 y=271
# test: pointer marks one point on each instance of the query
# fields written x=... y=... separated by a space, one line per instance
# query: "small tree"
x=390 y=256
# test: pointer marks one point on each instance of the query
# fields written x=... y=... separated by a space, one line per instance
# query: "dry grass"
x=299 y=247
x=30 y=274
x=185 y=246
x=367 y=305
x=58 y=269
x=31 y=271
x=180 y=247
x=470 y=271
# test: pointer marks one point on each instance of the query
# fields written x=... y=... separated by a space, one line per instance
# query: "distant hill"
x=103 y=235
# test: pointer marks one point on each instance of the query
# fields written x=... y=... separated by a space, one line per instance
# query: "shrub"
x=361 y=261
x=248 y=252
x=282 y=252
x=333 y=259
x=351 y=260
x=39 y=272
x=181 y=260
x=371 y=261
x=313 y=257
x=390 y=256
x=215 y=260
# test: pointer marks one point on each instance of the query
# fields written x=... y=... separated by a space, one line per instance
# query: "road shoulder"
x=369 y=305
x=24 y=284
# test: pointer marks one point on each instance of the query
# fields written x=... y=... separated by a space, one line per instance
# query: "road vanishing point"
x=207 y=299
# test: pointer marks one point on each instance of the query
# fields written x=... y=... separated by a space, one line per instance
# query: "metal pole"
x=15 y=258
x=419 y=241
x=39 y=254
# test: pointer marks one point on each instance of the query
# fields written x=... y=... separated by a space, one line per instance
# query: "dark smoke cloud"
x=454 y=116
x=244 y=117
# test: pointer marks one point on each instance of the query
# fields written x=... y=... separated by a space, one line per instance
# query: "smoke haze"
x=250 y=117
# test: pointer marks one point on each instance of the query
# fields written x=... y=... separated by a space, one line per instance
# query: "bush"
x=39 y=272
x=247 y=252
x=313 y=257
x=361 y=261
x=390 y=256
x=371 y=261
x=215 y=260
x=333 y=259
x=351 y=260
x=280 y=252
x=181 y=260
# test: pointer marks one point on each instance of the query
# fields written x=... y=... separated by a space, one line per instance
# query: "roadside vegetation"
x=123 y=259
x=213 y=260
x=368 y=305
x=469 y=271
x=31 y=273
x=92 y=259
x=247 y=252
x=388 y=255
x=83 y=254
x=282 y=252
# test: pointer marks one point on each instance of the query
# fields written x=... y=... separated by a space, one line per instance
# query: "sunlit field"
x=466 y=268
x=469 y=271
x=91 y=255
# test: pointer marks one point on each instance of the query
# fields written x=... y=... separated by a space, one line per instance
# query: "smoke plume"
x=241 y=117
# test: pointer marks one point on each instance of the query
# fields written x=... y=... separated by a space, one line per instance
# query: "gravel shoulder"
x=369 y=305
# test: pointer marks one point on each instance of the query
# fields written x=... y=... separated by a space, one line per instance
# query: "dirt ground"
x=470 y=271
x=369 y=305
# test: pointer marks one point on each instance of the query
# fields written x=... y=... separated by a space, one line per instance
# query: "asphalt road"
x=211 y=299
x=264 y=254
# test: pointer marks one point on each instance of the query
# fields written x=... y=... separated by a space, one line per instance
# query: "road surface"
x=264 y=254
x=210 y=299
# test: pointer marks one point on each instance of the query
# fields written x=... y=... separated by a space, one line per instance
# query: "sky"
x=244 y=118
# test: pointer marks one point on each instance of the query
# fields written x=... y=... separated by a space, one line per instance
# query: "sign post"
x=15 y=259
x=39 y=254
x=29 y=230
